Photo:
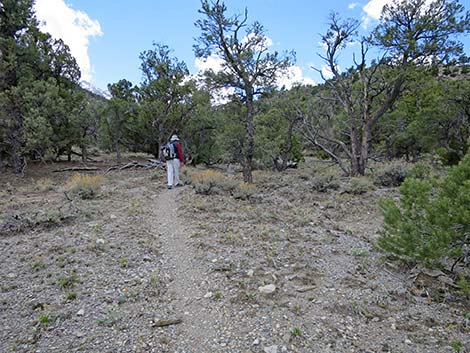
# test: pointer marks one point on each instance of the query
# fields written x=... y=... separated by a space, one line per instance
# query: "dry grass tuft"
x=44 y=184
x=85 y=186
x=210 y=182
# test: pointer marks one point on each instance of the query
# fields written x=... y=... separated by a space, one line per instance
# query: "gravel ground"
x=144 y=269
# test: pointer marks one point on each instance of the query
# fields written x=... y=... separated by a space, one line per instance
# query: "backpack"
x=169 y=151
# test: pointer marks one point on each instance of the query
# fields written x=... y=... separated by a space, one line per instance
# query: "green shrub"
x=45 y=319
x=464 y=285
x=326 y=182
x=432 y=221
x=391 y=173
x=447 y=157
x=420 y=171
x=358 y=186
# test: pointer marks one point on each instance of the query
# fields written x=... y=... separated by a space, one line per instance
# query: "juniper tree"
x=247 y=65
x=38 y=80
x=431 y=224
x=410 y=33
x=165 y=95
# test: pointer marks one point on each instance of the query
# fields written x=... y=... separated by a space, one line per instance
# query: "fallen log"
x=162 y=323
x=153 y=163
x=76 y=169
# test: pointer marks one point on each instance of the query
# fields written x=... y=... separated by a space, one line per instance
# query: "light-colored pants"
x=173 y=171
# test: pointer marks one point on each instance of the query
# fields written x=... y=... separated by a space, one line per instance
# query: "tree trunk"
x=3 y=163
x=287 y=149
x=16 y=159
x=118 y=151
x=17 y=162
x=250 y=140
x=355 y=152
x=364 y=157
x=84 y=152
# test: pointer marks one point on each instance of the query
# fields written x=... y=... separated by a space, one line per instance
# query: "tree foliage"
x=247 y=65
x=38 y=88
x=431 y=224
x=165 y=96
x=412 y=99
x=410 y=33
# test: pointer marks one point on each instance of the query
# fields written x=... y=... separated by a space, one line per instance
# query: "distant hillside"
x=94 y=91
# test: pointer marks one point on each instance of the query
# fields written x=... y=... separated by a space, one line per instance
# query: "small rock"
x=270 y=288
x=208 y=295
x=407 y=341
x=250 y=273
x=305 y=289
x=99 y=241
x=81 y=312
x=255 y=342
x=270 y=349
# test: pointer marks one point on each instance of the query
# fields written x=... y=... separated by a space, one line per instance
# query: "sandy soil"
x=140 y=268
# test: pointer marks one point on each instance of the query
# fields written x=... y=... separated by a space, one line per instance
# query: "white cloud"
x=323 y=45
x=266 y=43
x=374 y=8
x=72 y=26
x=353 y=5
x=213 y=63
x=326 y=71
x=293 y=76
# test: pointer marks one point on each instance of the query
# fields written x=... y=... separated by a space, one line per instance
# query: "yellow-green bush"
x=325 y=182
x=391 y=173
x=244 y=191
x=210 y=182
x=358 y=186
x=85 y=186
x=44 y=184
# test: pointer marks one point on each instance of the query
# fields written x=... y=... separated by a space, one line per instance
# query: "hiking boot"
x=170 y=186
x=179 y=185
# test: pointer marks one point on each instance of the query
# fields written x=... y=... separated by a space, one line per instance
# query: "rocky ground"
x=140 y=268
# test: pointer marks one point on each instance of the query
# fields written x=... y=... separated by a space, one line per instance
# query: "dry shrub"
x=244 y=191
x=210 y=182
x=205 y=175
x=44 y=184
x=85 y=186
x=391 y=173
x=358 y=186
x=325 y=182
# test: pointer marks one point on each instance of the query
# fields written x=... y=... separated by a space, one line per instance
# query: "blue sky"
x=107 y=36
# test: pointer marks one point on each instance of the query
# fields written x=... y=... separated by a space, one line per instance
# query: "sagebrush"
x=85 y=186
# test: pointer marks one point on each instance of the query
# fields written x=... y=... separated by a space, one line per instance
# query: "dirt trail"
x=188 y=280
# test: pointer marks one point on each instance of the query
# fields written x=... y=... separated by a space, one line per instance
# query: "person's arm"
x=179 y=151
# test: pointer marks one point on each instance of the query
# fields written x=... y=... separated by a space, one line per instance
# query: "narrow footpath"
x=197 y=332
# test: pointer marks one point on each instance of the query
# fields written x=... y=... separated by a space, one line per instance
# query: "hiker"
x=173 y=154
